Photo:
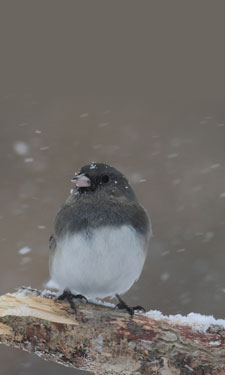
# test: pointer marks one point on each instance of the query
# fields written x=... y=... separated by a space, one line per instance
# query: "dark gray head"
x=102 y=178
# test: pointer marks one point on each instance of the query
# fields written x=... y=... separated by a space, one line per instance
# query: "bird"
x=100 y=237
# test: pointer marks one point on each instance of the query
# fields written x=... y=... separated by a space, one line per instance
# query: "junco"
x=100 y=237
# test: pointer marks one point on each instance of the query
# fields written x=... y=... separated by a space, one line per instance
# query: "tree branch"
x=107 y=341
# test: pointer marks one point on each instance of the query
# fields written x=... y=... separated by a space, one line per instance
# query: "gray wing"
x=52 y=243
x=52 y=247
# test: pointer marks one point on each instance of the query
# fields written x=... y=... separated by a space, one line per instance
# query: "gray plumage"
x=106 y=211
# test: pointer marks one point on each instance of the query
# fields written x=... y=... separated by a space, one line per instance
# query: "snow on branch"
x=104 y=340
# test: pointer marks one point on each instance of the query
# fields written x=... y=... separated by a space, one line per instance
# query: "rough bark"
x=107 y=341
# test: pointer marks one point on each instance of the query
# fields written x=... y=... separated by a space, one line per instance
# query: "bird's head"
x=99 y=177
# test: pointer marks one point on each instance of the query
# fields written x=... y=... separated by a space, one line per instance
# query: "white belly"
x=108 y=262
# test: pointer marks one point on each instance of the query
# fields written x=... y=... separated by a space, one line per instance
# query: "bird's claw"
x=122 y=305
x=68 y=296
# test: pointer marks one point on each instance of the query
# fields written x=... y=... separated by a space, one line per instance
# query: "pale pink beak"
x=81 y=180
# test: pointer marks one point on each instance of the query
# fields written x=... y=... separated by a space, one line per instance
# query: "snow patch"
x=83 y=115
x=164 y=253
x=102 y=303
x=208 y=236
x=136 y=177
x=24 y=250
x=165 y=276
x=210 y=168
x=176 y=181
x=28 y=160
x=172 y=156
x=92 y=165
x=41 y=226
x=214 y=166
x=47 y=293
x=197 y=321
x=215 y=343
x=21 y=148
x=181 y=250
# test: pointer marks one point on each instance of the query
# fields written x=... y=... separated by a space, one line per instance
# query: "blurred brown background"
x=137 y=84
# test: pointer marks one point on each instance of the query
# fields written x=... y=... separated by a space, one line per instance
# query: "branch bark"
x=106 y=341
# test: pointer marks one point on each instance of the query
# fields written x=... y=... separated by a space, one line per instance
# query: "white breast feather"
x=106 y=263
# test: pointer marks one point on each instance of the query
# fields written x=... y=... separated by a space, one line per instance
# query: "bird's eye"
x=105 y=178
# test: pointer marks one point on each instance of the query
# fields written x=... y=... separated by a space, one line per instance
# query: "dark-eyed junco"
x=100 y=237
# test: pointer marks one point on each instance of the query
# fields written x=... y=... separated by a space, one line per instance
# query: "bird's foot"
x=69 y=297
x=122 y=305
x=80 y=297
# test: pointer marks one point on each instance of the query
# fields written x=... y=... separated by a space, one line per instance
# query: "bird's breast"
x=99 y=262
